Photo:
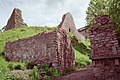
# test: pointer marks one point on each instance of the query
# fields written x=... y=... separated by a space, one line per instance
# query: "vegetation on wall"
x=104 y=7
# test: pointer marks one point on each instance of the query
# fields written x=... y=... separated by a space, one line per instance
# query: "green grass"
x=81 y=50
x=19 y=33
x=3 y=68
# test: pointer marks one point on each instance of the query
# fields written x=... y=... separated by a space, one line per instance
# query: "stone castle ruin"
x=50 y=48
x=55 y=47
x=15 y=20
x=105 y=49
x=68 y=25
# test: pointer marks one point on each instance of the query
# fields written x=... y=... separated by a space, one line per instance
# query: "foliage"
x=82 y=51
x=10 y=77
x=115 y=13
x=101 y=7
x=35 y=73
x=81 y=60
x=10 y=66
x=97 y=7
x=48 y=72
x=29 y=65
x=17 y=67
x=3 y=68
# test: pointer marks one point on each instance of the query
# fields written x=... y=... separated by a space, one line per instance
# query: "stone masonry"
x=84 y=31
x=105 y=49
x=15 y=20
x=68 y=25
x=50 y=48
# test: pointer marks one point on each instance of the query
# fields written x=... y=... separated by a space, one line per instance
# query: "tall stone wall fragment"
x=15 y=20
x=105 y=49
x=68 y=25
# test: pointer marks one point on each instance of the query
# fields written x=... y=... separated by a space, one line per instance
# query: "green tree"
x=97 y=7
x=104 y=7
x=115 y=14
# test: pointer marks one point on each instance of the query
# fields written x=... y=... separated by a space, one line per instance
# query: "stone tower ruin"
x=105 y=49
x=68 y=25
x=15 y=20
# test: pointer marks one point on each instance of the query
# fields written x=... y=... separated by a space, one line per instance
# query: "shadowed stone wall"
x=53 y=47
x=105 y=49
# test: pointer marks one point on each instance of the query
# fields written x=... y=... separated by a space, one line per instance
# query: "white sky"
x=44 y=12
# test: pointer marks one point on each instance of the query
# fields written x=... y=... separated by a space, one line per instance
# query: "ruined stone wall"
x=105 y=49
x=15 y=20
x=84 y=32
x=68 y=25
x=53 y=47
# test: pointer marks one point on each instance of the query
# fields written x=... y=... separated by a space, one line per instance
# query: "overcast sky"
x=44 y=12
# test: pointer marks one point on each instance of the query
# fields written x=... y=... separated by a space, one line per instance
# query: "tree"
x=114 y=11
x=104 y=7
x=97 y=7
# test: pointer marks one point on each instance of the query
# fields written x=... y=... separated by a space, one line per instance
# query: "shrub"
x=10 y=66
x=47 y=73
x=29 y=65
x=18 y=67
x=35 y=74
x=10 y=77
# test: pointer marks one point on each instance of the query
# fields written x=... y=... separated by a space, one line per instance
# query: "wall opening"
x=69 y=30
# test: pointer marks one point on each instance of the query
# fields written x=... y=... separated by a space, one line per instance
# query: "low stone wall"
x=50 y=48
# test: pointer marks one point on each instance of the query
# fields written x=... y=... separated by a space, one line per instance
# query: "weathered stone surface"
x=84 y=32
x=105 y=49
x=50 y=48
x=68 y=25
x=15 y=20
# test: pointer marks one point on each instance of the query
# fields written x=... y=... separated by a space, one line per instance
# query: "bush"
x=47 y=73
x=29 y=65
x=10 y=77
x=10 y=66
x=18 y=67
x=35 y=74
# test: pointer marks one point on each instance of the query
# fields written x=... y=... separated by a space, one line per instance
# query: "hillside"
x=81 y=48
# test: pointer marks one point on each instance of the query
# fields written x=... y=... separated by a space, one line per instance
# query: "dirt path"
x=85 y=74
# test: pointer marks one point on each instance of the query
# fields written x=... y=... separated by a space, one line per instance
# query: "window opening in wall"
x=69 y=30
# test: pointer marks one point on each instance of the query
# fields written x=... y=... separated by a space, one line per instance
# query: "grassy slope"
x=12 y=35
x=19 y=33
x=81 y=50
